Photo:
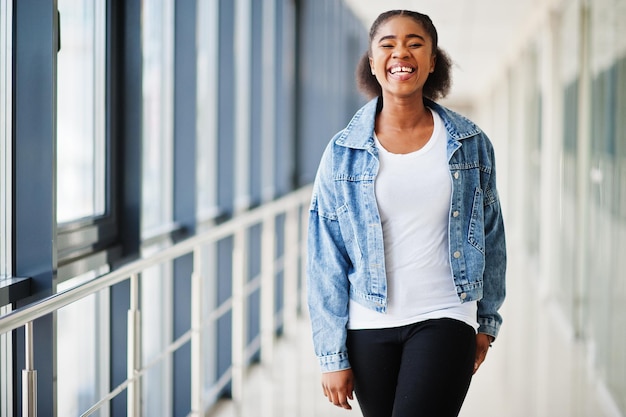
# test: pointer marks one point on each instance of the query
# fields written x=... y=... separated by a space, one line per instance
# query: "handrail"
x=18 y=318
x=291 y=206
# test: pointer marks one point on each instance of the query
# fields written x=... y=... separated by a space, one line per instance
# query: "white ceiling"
x=477 y=34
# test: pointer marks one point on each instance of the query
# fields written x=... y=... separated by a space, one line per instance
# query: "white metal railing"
x=293 y=206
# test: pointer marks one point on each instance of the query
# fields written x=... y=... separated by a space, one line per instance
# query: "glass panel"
x=532 y=111
x=81 y=148
x=82 y=352
x=569 y=60
x=207 y=110
x=156 y=313
x=5 y=136
x=158 y=61
x=617 y=359
x=605 y=287
x=157 y=190
x=6 y=366
x=226 y=110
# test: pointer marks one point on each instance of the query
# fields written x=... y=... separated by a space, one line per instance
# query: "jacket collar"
x=359 y=134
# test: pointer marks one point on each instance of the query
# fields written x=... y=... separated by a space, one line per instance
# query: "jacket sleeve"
x=327 y=273
x=494 y=290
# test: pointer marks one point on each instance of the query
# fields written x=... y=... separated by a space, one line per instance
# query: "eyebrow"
x=409 y=36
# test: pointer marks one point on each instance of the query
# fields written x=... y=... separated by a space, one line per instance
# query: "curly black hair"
x=439 y=81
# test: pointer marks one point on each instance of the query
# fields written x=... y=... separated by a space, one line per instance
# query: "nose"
x=400 y=51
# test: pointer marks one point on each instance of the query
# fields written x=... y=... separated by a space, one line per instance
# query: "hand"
x=483 y=341
x=338 y=387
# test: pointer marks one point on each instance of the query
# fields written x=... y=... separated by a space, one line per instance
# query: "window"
x=570 y=74
x=83 y=352
x=158 y=80
x=207 y=111
x=81 y=139
x=87 y=215
x=81 y=199
x=157 y=198
x=604 y=309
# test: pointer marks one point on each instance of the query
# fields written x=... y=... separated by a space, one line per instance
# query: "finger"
x=343 y=402
x=480 y=358
x=477 y=364
x=332 y=397
x=338 y=398
x=326 y=392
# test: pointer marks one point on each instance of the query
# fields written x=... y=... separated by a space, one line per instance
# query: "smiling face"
x=402 y=57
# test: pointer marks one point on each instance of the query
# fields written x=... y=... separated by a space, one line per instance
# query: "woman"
x=406 y=244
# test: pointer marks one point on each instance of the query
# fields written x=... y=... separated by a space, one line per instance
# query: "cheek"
x=372 y=65
x=377 y=66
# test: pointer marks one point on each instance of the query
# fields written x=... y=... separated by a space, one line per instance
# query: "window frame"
x=88 y=243
x=6 y=126
x=6 y=155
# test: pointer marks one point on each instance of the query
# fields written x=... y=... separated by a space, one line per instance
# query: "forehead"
x=400 y=26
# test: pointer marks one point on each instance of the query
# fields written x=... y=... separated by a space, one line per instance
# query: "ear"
x=433 y=61
x=372 y=65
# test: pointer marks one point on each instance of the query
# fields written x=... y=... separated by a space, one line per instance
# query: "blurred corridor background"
x=155 y=164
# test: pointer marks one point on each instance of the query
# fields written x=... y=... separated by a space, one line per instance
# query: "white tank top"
x=413 y=193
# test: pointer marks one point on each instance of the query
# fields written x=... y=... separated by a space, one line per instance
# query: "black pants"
x=423 y=369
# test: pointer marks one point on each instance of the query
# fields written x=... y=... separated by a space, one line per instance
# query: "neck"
x=404 y=113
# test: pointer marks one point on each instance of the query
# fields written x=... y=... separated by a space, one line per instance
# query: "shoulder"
x=358 y=134
x=458 y=126
x=332 y=147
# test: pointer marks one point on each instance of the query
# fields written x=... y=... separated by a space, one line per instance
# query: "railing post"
x=134 y=349
x=29 y=375
x=302 y=248
x=268 y=280
x=292 y=229
x=239 y=316
x=197 y=363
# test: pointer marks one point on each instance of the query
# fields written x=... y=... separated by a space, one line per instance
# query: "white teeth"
x=401 y=69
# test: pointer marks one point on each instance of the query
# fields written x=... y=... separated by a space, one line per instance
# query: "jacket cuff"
x=334 y=362
x=488 y=326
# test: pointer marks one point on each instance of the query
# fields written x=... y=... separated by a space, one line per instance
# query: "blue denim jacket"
x=346 y=258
